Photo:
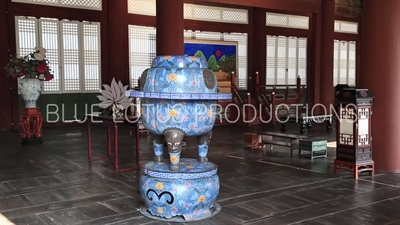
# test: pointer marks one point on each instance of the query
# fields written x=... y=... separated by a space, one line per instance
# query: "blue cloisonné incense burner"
x=179 y=98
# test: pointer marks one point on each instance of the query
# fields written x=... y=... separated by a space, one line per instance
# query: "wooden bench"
x=290 y=140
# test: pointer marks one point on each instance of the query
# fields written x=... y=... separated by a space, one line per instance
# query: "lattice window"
x=344 y=63
x=91 y=56
x=346 y=27
x=70 y=56
x=363 y=126
x=286 y=20
x=81 y=4
x=142 y=50
x=346 y=139
x=73 y=50
x=364 y=113
x=347 y=119
x=26 y=35
x=208 y=36
x=241 y=57
x=215 y=14
x=286 y=60
x=49 y=37
x=142 y=7
x=193 y=12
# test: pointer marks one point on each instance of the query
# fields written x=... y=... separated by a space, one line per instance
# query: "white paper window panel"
x=302 y=72
x=242 y=80
x=286 y=20
x=346 y=126
x=188 y=34
x=206 y=13
x=298 y=22
x=276 y=19
x=292 y=76
x=337 y=26
x=291 y=62
x=91 y=56
x=286 y=59
x=363 y=126
x=188 y=11
x=346 y=27
x=26 y=35
x=344 y=63
x=336 y=50
x=343 y=52
x=352 y=77
x=49 y=40
x=281 y=50
x=142 y=50
x=70 y=55
x=215 y=14
x=281 y=76
x=142 y=7
x=352 y=51
x=208 y=36
x=81 y=4
x=239 y=16
x=302 y=53
x=193 y=12
x=281 y=63
x=271 y=43
x=292 y=52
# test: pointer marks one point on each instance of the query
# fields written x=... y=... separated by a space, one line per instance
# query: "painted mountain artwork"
x=220 y=56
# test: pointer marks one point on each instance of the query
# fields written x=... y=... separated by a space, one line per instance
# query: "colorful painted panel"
x=220 y=55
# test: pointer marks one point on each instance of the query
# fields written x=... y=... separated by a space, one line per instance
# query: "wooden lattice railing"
x=271 y=96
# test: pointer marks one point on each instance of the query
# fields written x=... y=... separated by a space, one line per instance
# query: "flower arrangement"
x=34 y=65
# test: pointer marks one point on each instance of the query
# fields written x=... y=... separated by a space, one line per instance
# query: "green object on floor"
x=313 y=148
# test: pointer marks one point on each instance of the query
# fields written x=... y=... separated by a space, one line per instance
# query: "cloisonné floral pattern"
x=194 y=117
x=177 y=74
x=179 y=93
x=167 y=196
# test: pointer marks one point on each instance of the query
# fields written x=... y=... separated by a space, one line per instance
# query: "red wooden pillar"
x=327 y=37
x=380 y=69
x=170 y=24
x=118 y=53
x=259 y=48
x=5 y=92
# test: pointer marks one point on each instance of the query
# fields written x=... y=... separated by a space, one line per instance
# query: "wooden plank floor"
x=53 y=183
